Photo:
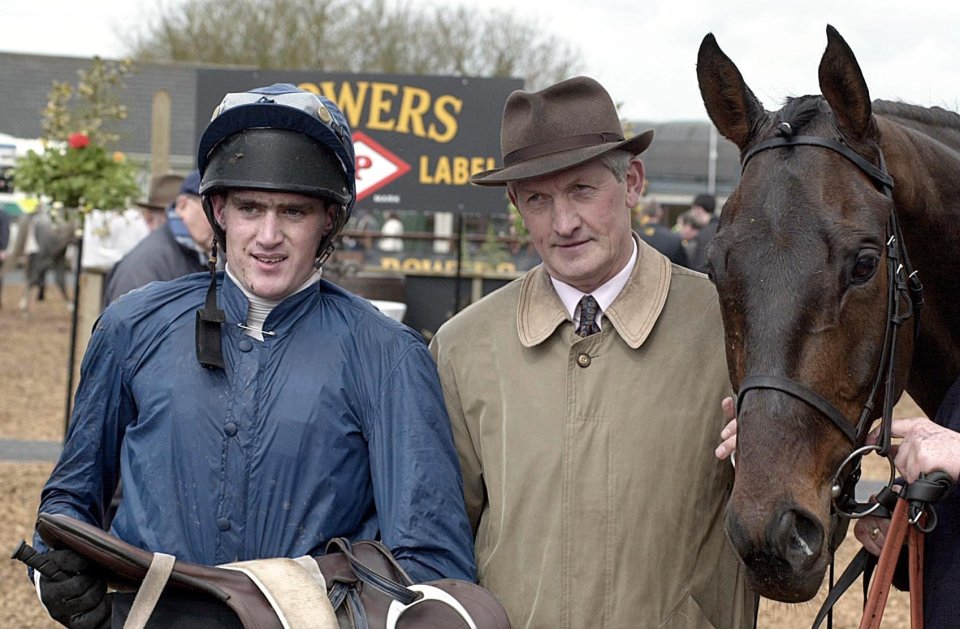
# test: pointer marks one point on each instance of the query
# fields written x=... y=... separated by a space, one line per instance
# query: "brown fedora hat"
x=163 y=191
x=557 y=128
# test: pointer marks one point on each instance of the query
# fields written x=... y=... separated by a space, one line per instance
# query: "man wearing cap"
x=163 y=192
x=176 y=248
x=585 y=396
x=261 y=411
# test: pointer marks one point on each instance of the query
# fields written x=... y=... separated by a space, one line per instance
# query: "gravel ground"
x=20 y=492
x=33 y=358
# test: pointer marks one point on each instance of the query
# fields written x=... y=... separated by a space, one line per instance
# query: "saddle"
x=365 y=585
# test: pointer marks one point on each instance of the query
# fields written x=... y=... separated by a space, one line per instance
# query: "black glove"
x=78 y=601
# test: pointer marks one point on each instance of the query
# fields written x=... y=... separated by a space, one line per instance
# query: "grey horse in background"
x=52 y=239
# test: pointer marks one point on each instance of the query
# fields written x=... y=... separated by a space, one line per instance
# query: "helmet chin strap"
x=210 y=320
x=326 y=250
x=318 y=263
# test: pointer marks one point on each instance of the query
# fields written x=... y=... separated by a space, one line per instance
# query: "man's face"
x=688 y=231
x=190 y=210
x=272 y=238
x=579 y=221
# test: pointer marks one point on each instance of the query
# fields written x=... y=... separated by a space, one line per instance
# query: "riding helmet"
x=279 y=138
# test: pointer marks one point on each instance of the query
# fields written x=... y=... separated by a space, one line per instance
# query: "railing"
x=467 y=255
x=453 y=238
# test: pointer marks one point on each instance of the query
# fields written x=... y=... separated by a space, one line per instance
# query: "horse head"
x=799 y=262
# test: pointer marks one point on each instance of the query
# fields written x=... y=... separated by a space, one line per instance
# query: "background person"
x=703 y=211
x=392 y=231
x=364 y=222
x=687 y=230
x=178 y=247
x=653 y=232
x=163 y=192
x=583 y=396
x=305 y=415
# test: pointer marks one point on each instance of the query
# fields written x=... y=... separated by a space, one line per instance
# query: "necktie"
x=588 y=316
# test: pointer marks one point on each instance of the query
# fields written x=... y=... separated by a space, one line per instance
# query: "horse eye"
x=865 y=267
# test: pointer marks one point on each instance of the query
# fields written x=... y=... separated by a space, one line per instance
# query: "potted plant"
x=76 y=171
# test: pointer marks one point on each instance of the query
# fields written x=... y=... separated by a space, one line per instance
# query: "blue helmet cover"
x=282 y=106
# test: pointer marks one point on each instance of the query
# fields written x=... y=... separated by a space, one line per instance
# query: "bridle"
x=902 y=282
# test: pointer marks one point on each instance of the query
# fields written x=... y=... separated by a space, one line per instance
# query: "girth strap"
x=150 y=590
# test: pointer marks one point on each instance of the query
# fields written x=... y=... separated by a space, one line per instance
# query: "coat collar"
x=633 y=313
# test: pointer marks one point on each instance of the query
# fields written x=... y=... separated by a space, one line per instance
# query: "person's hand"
x=78 y=601
x=729 y=432
x=872 y=531
x=926 y=448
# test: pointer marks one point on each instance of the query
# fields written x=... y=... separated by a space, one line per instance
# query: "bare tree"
x=354 y=36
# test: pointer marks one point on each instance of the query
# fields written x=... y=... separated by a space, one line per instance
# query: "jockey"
x=263 y=411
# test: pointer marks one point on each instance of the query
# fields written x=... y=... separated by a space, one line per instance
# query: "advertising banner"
x=417 y=138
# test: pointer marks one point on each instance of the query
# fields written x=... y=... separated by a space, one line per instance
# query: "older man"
x=585 y=396
x=178 y=247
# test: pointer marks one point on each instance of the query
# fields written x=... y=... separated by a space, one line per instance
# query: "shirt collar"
x=257 y=309
x=604 y=294
x=633 y=312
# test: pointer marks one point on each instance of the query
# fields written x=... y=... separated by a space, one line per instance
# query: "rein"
x=910 y=517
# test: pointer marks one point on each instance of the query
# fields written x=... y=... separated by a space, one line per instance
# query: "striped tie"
x=588 y=316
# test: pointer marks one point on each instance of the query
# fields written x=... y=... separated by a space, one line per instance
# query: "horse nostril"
x=797 y=537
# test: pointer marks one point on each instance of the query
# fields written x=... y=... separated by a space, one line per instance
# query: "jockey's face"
x=272 y=238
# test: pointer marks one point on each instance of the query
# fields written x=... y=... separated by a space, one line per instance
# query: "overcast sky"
x=643 y=51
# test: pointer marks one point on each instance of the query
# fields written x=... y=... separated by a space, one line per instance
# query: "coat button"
x=223 y=524
x=583 y=359
x=246 y=345
x=230 y=429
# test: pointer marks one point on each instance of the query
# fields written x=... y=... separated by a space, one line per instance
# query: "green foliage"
x=75 y=168
x=84 y=178
x=519 y=227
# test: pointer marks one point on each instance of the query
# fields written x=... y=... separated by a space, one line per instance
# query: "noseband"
x=902 y=281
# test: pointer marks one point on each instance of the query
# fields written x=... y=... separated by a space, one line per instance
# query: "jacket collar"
x=633 y=313
x=236 y=305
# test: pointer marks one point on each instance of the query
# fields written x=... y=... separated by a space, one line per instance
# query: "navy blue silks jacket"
x=333 y=426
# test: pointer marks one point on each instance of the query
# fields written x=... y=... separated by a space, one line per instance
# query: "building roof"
x=678 y=162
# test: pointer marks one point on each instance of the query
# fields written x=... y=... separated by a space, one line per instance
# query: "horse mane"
x=937 y=116
x=936 y=122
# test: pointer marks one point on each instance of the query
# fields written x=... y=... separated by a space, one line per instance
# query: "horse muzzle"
x=785 y=556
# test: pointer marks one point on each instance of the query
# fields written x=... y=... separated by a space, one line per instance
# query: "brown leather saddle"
x=364 y=583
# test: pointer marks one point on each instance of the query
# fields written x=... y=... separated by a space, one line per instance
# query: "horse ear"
x=844 y=87
x=730 y=104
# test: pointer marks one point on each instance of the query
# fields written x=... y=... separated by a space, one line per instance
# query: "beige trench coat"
x=588 y=464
